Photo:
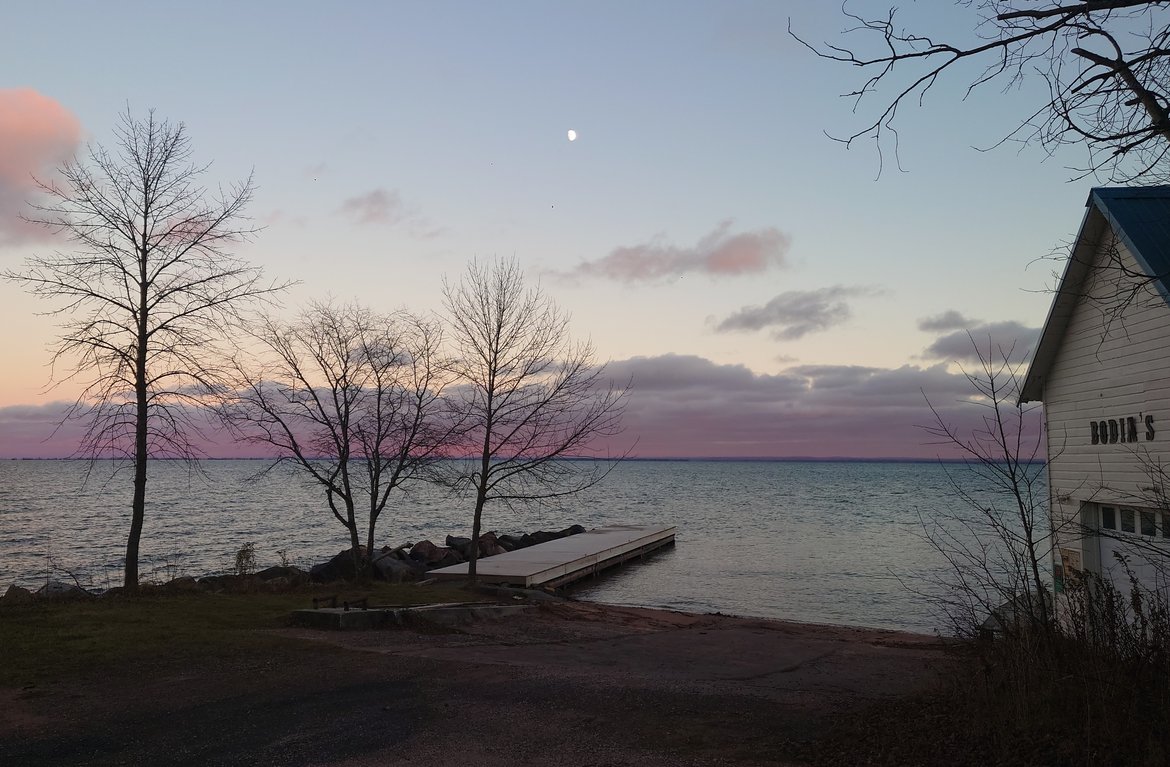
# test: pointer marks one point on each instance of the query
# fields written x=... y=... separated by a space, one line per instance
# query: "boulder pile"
x=408 y=562
x=411 y=561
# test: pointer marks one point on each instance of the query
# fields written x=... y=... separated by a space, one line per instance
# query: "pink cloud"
x=36 y=135
x=720 y=253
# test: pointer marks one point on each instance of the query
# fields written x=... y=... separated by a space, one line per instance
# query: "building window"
x=1165 y=524
x=1108 y=518
x=1147 y=519
x=1127 y=525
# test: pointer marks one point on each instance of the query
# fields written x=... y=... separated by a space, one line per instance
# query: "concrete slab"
x=565 y=560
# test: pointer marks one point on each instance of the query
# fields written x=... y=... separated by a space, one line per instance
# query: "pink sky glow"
x=765 y=292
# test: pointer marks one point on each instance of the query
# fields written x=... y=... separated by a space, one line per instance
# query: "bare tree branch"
x=528 y=398
x=352 y=399
x=146 y=297
x=1106 y=64
x=996 y=552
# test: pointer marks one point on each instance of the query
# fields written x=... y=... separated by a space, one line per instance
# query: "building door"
x=1135 y=543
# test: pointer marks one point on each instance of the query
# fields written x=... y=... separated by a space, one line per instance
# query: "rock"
x=340 y=568
x=489 y=546
x=277 y=585
x=59 y=590
x=432 y=556
x=184 y=585
x=460 y=544
x=510 y=542
x=450 y=557
x=543 y=536
x=398 y=552
x=216 y=582
x=228 y=583
x=427 y=553
x=294 y=575
x=572 y=530
x=390 y=568
x=15 y=595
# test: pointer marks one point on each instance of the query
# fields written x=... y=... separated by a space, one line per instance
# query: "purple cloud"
x=385 y=207
x=948 y=320
x=796 y=313
x=991 y=340
x=720 y=253
x=378 y=206
x=689 y=406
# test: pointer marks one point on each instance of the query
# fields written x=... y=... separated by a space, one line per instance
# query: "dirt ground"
x=566 y=683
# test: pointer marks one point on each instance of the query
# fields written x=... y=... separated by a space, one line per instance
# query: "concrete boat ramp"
x=560 y=562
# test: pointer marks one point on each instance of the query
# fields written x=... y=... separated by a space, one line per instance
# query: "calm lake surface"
x=810 y=541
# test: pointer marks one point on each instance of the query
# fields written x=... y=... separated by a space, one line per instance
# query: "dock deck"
x=565 y=560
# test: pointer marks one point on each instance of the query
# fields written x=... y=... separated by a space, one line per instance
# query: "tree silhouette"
x=1105 y=65
x=148 y=294
x=527 y=397
x=352 y=399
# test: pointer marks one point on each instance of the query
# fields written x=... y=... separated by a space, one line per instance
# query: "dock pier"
x=565 y=560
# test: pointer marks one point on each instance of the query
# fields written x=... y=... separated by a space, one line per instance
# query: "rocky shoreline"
x=395 y=564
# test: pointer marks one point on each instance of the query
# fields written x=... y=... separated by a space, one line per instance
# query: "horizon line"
x=648 y=459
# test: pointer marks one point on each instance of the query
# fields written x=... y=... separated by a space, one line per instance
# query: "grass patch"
x=48 y=640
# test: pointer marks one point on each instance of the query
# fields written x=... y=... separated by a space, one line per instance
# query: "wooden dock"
x=565 y=560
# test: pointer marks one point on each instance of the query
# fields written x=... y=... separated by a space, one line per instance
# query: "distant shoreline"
x=645 y=459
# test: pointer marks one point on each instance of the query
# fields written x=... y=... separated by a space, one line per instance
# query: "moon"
x=572 y=134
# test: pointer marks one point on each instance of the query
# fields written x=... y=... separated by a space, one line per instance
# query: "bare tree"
x=148 y=294
x=529 y=398
x=1105 y=65
x=996 y=547
x=351 y=398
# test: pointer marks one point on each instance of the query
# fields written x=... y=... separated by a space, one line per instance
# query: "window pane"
x=1165 y=524
x=1148 y=523
x=1108 y=518
x=1127 y=521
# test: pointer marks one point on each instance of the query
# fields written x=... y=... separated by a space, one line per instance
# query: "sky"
x=768 y=291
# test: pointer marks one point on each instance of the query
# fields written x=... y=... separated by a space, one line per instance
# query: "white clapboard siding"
x=1112 y=363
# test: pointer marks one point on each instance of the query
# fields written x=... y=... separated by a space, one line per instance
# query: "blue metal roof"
x=1141 y=218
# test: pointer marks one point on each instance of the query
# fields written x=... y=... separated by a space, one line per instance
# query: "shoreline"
x=781 y=540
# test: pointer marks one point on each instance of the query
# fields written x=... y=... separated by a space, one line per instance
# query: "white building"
x=1102 y=370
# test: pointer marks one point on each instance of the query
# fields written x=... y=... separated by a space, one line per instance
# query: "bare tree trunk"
x=481 y=490
x=138 y=507
x=472 y=578
x=355 y=543
x=141 y=424
x=370 y=539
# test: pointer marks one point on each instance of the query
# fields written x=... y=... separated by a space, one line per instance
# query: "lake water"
x=827 y=542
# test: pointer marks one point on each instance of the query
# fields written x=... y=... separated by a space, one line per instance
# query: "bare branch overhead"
x=1105 y=67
